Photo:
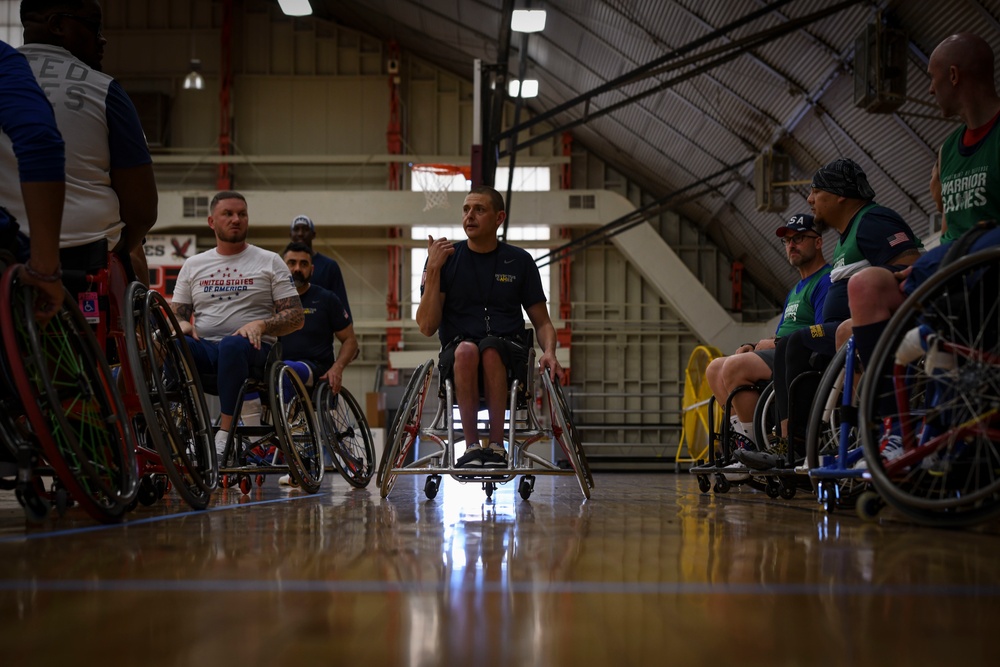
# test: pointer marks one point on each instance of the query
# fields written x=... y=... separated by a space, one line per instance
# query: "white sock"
x=747 y=429
x=220 y=442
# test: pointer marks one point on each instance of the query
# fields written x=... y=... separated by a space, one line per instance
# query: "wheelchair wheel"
x=574 y=434
x=69 y=395
x=563 y=432
x=406 y=426
x=412 y=388
x=765 y=420
x=171 y=397
x=346 y=434
x=823 y=429
x=938 y=365
x=296 y=426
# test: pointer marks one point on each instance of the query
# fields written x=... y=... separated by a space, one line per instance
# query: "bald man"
x=961 y=69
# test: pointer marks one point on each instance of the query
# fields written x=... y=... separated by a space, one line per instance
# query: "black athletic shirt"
x=324 y=316
x=497 y=283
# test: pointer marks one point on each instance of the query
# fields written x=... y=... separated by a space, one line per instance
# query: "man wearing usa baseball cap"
x=842 y=199
x=754 y=362
x=326 y=271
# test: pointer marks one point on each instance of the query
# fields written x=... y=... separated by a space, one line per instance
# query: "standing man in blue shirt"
x=326 y=271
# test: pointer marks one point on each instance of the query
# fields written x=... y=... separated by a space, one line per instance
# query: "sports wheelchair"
x=524 y=428
x=61 y=414
x=162 y=393
x=293 y=430
x=286 y=441
x=938 y=366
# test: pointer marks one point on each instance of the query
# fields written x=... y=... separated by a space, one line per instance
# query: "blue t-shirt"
x=326 y=274
x=485 y=292
x=882 y=235
x=324 y=316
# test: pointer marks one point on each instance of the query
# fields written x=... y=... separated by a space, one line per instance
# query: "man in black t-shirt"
x=325 y=318
x=472 y=294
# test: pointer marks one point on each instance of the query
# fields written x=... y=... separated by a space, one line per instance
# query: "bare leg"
x=745 y=369
x=467 y=390
x=495 y=388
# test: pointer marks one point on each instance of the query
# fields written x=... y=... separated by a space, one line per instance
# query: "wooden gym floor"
x=648 y=572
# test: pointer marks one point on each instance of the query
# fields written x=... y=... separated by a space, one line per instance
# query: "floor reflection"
x=648 y=567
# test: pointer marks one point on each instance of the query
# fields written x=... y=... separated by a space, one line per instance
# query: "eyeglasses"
x=798 y=239
x=91 y=24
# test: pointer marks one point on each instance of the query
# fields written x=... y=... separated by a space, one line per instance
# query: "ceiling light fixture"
x=194 y=80
x=530 y=88
x=528 y=20
x=295 y=7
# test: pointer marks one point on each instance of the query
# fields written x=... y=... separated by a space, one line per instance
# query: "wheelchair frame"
x=524 y=429
x=278 y=446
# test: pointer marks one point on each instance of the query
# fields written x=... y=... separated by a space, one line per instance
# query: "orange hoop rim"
x=444 y=169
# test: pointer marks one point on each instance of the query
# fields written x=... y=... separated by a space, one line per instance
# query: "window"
x=195 y=207
x=526 y=179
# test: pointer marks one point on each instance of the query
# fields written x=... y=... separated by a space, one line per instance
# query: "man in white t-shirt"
x=232 y=303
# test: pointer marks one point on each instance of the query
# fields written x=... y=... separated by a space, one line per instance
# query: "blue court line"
x=556 y=588
x=153 y=519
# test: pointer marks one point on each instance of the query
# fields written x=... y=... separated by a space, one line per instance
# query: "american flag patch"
x=897 y=238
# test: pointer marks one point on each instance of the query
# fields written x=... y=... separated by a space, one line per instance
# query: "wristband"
x=42 y=277
x=753 y=346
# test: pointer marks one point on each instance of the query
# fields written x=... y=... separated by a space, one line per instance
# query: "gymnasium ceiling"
x=698 y=127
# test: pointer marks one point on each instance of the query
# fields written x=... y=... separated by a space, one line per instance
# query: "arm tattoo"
x=183 y=311
x=288 y=317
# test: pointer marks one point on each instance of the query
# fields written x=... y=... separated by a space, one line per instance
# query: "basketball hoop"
x=436 y=179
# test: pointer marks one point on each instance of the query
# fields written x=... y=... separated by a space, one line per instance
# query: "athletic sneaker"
x=494 y=456
x=891 y=448
x=759 y=460
x=286 y=480
x=472 y=458
x=740 y=476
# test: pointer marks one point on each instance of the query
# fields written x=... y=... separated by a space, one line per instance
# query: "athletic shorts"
x=767 y=356
x=513 y=353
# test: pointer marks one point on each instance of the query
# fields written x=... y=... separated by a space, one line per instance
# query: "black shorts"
x=767 y=356
x=513 y=353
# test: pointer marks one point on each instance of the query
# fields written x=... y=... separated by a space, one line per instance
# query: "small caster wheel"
x=162 y=485
x=786 y=490
x=431 y=486
x=869 y=505
x=722 y=484
x=489 y=488
x=60 y=500
x=771 y=488
x=147 y=492
x=526 y=486
x=826 y=493
x=224 y=482
x=703 y=484
x=36 y=510
x=260 y=480
x=245 y=485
